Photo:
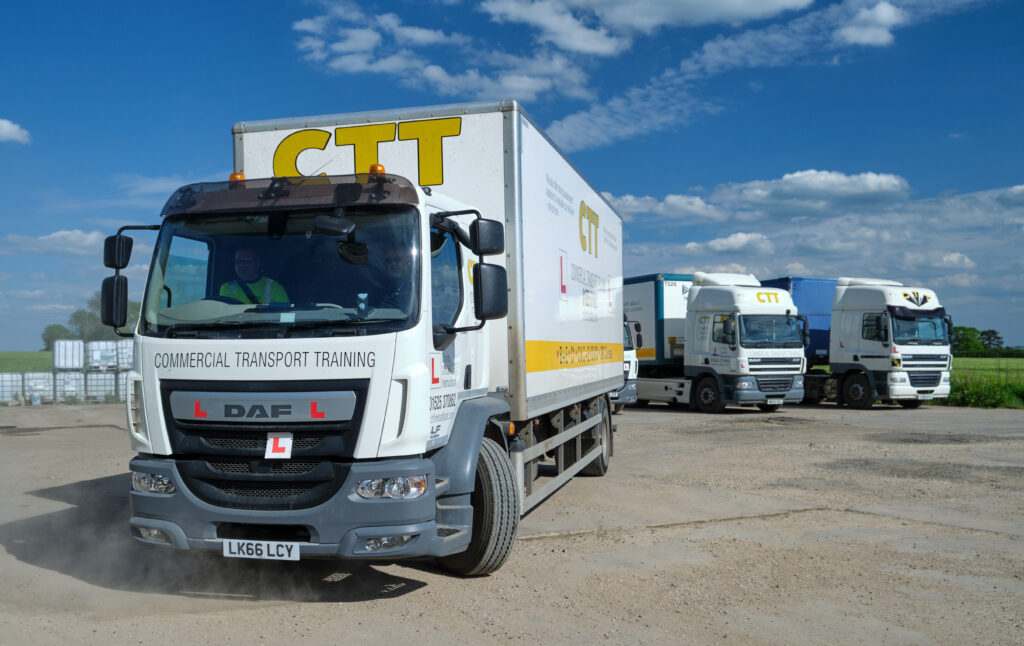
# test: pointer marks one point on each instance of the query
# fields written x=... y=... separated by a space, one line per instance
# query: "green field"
x=987 y=383
x=39 y=361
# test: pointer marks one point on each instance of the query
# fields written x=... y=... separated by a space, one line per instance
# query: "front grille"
x=774 y=384
x=223 y=463
x=258 y=441
x=278 y=466
x=444 y=532
x=245 y=531
x=924 y=379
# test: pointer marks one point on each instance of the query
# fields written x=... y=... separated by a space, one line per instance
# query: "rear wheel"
x=909 y=403
x=495 y=500
x=857 y=392
x=603 y=435
x=768 y=408
x=708 y=396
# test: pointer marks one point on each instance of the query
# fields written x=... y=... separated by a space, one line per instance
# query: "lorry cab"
x=744 y=343
x=891 y=339
x=631 y=341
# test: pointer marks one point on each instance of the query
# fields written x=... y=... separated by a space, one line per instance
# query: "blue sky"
x=777 y=137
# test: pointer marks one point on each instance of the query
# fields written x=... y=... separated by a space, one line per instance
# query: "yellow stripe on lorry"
x=558 y=355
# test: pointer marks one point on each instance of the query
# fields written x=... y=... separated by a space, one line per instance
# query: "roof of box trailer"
x=646 y=278
x=377 y=116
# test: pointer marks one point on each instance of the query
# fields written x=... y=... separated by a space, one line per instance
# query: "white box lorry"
x=313 y=373
x=718 y=339
x=880 y=339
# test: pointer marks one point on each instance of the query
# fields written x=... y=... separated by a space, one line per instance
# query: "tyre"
x=495 y=501
x=617 y=408
x=603 y=431
x=768 y=408
x=857 y=392
x=909 y=403
x=708 y=396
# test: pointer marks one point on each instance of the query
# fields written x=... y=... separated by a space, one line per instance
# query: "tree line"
x=84 y=324
x=972 y=342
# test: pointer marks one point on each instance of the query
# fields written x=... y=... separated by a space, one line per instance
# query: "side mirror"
x=883 y=329
x=486 y=237
x=490 y=291
x=805 y=329
x=117 y=251
x=729 y=326
x=639 y=341
x=114 y=299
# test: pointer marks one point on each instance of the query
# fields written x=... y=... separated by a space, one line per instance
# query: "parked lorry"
x=426 y=354
x=718 y=339
x=631 y=340
x=878 y=338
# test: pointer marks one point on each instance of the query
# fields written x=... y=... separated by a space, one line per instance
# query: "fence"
x=95 y=372
x=63 y=387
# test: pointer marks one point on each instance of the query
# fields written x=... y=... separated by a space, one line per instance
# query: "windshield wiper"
x=194 y=329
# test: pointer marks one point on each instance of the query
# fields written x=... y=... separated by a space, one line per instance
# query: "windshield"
x=770 y=331
x=923 y=330
x=303 y=273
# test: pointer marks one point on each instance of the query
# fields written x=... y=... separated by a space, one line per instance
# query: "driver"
x=397 y=291
x=252 y=286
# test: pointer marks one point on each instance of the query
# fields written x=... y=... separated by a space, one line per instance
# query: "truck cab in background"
x=742 y=344
x=631 y=341
x=883 y=340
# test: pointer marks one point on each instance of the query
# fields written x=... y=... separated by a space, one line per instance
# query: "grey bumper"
x=340 y=527
x=625 y=395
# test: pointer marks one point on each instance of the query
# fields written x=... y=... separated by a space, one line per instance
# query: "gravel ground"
x=806 y=526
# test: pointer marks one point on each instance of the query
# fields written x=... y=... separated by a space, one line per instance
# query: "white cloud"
x=956 y=280
x=52 y=307
x=10 y=131
x=757 y=242
x=685 y=207
x=671 y=98
x=74 y=242
x=558 y=26
x=418 y=36
x=356 y=41
x=872 y=26
x=813 y=190
x=956 y=260
x=136 y=185
x=316 y=25
x=26 y=293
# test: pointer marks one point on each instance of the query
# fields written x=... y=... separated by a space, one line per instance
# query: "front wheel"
x=495 y=501
x=709 y=397
x=909 y=403
x=617 y=408
x=857 y=392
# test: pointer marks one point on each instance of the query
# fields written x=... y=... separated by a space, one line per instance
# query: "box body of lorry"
x=813 y=297
x=658 y=303
x=385 y=417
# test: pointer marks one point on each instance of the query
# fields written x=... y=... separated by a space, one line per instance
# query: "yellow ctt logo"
x=917 y=298
x=365 y=140
x=588 y=238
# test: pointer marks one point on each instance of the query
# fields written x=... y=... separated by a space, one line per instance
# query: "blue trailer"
x=813 y=299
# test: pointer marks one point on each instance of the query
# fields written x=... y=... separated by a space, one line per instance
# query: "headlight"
x=945 y=379
x=399 y=488
x=151 y=483
x=798 y=381
x=745 y=384
x=897 y=379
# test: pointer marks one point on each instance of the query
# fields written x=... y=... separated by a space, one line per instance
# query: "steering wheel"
x=220 y=298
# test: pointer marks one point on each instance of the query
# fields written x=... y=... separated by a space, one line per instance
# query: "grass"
x=39 y=361
x=986 y=383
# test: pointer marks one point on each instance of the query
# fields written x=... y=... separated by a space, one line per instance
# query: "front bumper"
x=625 y=395
x=765 y=389
x=916 y=385
x=341 y=527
